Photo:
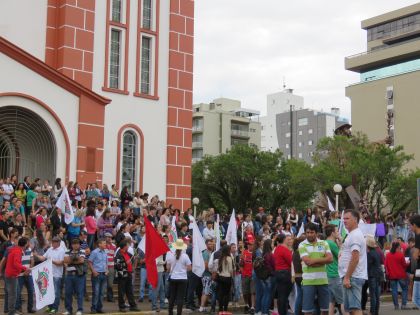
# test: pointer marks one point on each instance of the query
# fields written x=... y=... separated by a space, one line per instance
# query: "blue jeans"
x=98 y=286
x=158 y=291
x=237 y=280
x=258 y=293
x=299 y=298
x=74 y=285
x=404 y=293
x=91 y=240
x=416 y=293
x=57 y=291
x=266 y=295
x=353 y=295
x=143 y=281
x=310 y=292
x=375 y=293
x=25 y=281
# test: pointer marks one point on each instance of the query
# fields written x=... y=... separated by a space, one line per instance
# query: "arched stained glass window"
x=129 y=161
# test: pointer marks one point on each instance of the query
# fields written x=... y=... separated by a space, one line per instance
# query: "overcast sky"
x=244 y=48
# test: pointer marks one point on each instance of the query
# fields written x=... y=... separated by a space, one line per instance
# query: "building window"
x=300 y=155
x=303 y=121
x=300 y=144
x=310 y=131
x=311 y=154
x=147 y=52
x=288 y=135
x=147 y=14
x=287 y=145
x=129 y=161
x=145 y=65
x=114 y=59
x=289 y=157
x=300 y=132
x=116 y=65
x=116 y=10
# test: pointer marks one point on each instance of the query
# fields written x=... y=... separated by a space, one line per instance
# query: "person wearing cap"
x=124 y=275
x=374 y=274
x=75 y=277
x=56 y=253
x=110 y=249
x=179 y=264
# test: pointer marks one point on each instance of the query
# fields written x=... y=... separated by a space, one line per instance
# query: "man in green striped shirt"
x=315 y=254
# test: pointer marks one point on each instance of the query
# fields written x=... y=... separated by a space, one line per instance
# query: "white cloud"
x=244 y=48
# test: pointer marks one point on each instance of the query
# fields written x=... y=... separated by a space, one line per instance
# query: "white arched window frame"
x=130 y=159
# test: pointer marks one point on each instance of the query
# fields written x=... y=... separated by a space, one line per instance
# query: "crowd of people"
x=315 y=261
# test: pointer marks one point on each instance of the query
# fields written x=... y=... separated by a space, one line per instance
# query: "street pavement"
x=386 y=308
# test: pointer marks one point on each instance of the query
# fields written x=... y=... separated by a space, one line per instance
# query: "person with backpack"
x=283 y=267
x=263 y=268
x=315 y=255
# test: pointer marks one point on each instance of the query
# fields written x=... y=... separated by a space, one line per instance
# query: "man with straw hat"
x=374 y=274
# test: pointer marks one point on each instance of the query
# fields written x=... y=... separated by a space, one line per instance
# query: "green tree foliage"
x=247 y=178
x=374 y=169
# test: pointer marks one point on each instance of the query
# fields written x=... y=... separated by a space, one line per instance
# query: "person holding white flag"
x=56 y=255
x=64 y=204
x=217 y=231
x=231 y=234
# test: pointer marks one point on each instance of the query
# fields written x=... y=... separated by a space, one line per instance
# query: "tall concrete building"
x=385 y=102
x=293 y=129
x=220 y=125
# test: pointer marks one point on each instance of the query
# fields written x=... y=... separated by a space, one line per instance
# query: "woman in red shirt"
x=395 y=266
x=283 y=275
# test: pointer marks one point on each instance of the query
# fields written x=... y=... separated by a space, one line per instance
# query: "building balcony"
x=239 y=133
x=383 y=56
x=197 y=128
x=195 y=160
x=197 y=145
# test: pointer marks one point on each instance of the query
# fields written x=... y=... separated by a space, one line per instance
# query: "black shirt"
x=417 y=245
x=5 y=228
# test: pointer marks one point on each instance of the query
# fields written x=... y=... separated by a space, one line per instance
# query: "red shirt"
x=39 y=220
x=14 y=262
x=247 y=263
x=282 y=258
x=110 y=250
x=127 y=260
x=395 y=266
x=250 y=238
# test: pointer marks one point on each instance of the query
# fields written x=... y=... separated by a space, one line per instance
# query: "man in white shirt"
x=7 y=189
x=208 y=232
x=56 y=254
x=352 y=263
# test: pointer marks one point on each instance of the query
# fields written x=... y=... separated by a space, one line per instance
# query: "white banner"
x=198 y=266
x=42 y=278
x=65 y=205
x=367 y=229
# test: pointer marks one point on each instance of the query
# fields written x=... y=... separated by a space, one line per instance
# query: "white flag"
x=217 y=232
x=142 y=244
x=173 y=229
x=64 y=204
x=330 y=205
x=301 y=230
x=198 y=266
x=42 y=278
x=342 y=229
x=231 y=234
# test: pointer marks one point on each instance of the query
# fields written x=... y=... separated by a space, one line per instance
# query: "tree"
x=247 y=178
x=402 y=192
x=370 y=167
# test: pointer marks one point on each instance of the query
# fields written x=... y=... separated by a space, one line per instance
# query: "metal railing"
x=197 y=128
x=196 y=145
x=240 y=133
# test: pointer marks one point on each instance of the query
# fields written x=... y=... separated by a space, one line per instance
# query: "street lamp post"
x=337 y=189
x=195 y=201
